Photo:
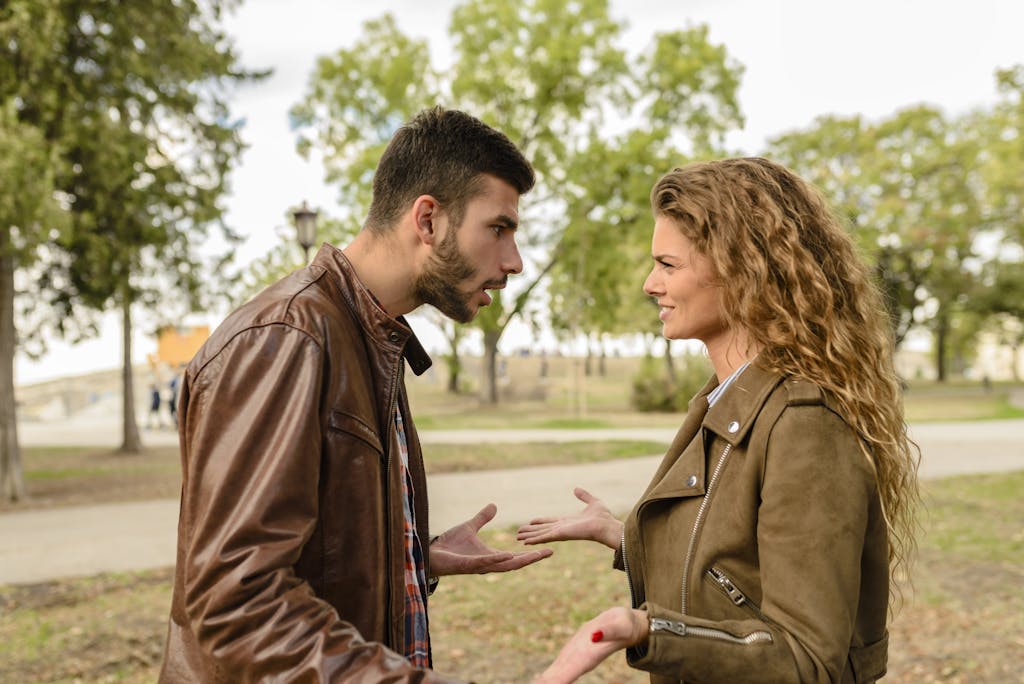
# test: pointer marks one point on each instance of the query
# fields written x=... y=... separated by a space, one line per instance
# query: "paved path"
x=40 y=545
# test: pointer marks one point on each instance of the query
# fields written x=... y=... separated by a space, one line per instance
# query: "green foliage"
x=356 y=99
x=121 y=110
x=129 y=102
x=27 y=204
x=655 y=389
x=598 y=125
x=925 y=196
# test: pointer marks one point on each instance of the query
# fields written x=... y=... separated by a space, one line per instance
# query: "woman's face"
x=682 y=283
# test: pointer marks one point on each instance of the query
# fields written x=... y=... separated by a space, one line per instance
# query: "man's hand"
x=612 y=630
x=593 y=523
x=459 y=551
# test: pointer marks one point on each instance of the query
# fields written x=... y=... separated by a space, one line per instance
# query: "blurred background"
x=164 y=162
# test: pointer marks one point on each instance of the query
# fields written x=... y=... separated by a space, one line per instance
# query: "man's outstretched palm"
x=460 y=551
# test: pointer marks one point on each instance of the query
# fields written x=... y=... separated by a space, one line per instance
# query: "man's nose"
x=512 y=261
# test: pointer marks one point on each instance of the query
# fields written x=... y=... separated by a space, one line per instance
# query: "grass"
x=446 y=458
x=962 y=624
x=950 y=515
x=77 y=476
x=567 y=398
x=64 y=476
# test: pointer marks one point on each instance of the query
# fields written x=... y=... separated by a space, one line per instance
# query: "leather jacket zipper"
x=732 y=591
x=625 y=567
x=392 y=407
x=683 y=629
x=697 y=523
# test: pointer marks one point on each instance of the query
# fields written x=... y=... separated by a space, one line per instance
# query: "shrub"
x=653 y=390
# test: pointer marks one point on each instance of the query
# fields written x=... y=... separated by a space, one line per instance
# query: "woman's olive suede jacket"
x=759 y=549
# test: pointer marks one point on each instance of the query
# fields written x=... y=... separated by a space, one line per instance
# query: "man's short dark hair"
x=442 y=153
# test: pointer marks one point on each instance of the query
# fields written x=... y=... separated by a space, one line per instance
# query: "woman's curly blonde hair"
x=791 y=277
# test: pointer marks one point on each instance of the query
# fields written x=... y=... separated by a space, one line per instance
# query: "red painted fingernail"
x=597 y=636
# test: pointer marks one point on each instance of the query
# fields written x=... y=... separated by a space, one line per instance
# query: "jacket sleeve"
x=817 y=491
x=251 y=453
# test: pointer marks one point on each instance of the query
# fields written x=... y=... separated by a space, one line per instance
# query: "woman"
x=765 y=545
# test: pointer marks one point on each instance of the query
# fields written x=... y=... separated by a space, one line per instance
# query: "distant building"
x=997 y=360
x=175 y=346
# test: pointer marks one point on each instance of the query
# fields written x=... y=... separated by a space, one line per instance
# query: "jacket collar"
x=386 y=331
x=734 y=413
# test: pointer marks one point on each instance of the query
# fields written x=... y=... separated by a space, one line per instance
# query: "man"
x=303 y=547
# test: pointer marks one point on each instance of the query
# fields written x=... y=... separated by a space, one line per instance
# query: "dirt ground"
x=962 y=624
x=111 y=629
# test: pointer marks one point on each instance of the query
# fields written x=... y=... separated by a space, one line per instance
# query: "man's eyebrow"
x=506 y=221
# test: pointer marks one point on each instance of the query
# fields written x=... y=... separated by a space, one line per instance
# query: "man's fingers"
x=583 y=495
x=475 y=564
x=521 y=560
x=485 y=516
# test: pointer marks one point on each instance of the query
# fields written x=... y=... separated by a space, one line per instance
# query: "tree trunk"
x=454 y=367
x=670 y=365
x=452 y=359
x=12 y=479
x=490 y=389
x=941 y=342
x=131 y=442
x=1015 y=362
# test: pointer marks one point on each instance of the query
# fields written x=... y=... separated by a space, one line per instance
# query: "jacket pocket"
x=724 y=584
x=352 y=425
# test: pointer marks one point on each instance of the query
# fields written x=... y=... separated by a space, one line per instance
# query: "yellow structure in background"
x=175 y=346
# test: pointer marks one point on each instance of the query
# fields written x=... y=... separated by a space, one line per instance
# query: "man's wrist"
x=432 y=580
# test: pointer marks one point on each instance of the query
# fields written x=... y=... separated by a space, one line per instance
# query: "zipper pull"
x=663 y=625
x=735 y=594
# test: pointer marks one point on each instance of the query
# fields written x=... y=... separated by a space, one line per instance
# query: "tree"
x=1003 y=131
x=930 y=202
x=1000 y=302
x=548 y=73
x=838 y=155
x=910 y=189
x=27 y=207
x=133 y=98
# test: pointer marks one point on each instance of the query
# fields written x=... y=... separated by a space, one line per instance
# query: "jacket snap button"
x=734 y=426
x=691 y=481
x=393 y=336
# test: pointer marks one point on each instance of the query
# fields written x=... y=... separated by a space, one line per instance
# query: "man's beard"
x=438 y=285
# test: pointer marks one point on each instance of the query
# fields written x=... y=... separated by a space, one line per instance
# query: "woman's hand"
x=593 y=523
x=612 y=630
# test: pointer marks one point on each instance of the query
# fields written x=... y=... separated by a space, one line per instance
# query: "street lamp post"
x=305 y=227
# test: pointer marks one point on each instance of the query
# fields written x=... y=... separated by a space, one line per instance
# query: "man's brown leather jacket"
x=290 y=539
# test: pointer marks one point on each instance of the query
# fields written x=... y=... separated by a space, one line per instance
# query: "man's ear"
x=426 y=212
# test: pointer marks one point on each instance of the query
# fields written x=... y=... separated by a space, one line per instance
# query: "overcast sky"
x=802 y=59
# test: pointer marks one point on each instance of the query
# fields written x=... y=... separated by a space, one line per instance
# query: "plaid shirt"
x=417 y=632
